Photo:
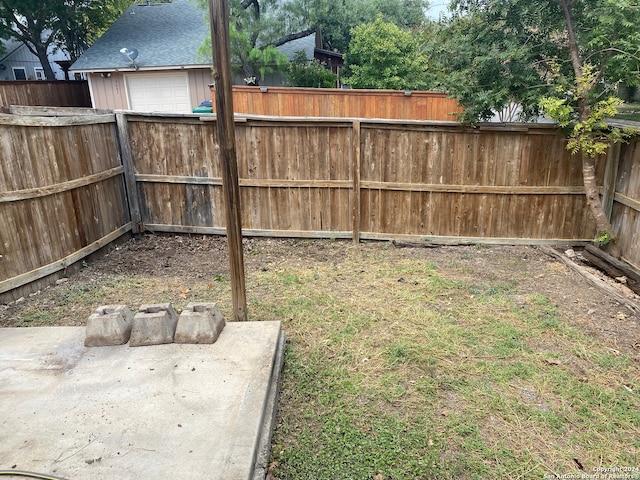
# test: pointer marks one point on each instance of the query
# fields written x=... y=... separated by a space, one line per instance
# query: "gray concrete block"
x=153 y=325
x=199 y=323
x=109 y=325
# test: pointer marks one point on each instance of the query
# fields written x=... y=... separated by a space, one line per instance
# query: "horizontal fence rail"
x=62 y=193
x=353 y=178
x=70 y=185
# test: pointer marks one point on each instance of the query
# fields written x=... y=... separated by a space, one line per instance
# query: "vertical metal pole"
x=219 y=13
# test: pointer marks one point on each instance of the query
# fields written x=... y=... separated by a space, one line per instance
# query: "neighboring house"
x=168 y=74
x=18 y=63
x=332 y=60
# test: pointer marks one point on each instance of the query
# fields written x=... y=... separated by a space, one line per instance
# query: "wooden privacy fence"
x=364 y=179
x=71 y=185
x=334 y=102
x=52 y=93
x=624 y=174
x=62 y=193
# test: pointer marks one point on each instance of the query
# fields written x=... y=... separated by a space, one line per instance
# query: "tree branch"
x=613 y=49
x=247 y=3
x=293 y=36
x=573 y=38
x=576 y=61
x=256 y=7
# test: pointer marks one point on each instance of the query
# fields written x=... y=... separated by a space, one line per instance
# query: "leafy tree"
x=310 y=73
x=382 y=55
x=35 y=23
x=337 y=18
x=259 y=25
x=67 y=24
x=89 y=20
x=255 y=32
x=564 y=56
x=492 y=54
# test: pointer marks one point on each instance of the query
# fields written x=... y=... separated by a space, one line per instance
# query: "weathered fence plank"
x=423 y=179
x=355 y=199
x=625 y=217
x=309 y=178
x=54 y=93
x=61 y=194
x=124 y=149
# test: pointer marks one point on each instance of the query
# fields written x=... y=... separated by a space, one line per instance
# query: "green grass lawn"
x=435 y=377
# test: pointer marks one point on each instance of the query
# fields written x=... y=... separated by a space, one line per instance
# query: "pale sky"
x=436 y=7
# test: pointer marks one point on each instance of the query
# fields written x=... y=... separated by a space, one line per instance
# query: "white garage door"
x=159 y=92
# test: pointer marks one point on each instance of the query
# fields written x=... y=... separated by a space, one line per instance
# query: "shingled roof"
x=166 y=35
x=9 y=47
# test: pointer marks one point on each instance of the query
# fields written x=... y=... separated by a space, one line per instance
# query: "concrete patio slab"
x=179 y=411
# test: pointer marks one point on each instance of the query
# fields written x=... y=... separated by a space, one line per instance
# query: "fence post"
x=219 y=18
x=610 y=178
x=355 y=197
x=124 y=147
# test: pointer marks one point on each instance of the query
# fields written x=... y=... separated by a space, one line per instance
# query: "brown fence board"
x=58 y=93
x=299 y=177
x=626 y=206
x=61 y=192
x=332 y=102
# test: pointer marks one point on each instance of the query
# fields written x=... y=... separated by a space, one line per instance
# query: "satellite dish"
x=130 y=55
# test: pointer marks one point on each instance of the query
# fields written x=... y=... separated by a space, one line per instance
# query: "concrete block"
x=109 y=325
x=153 y=325
x=199 y=323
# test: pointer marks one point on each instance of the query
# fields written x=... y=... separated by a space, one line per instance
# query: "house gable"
x=18 y=60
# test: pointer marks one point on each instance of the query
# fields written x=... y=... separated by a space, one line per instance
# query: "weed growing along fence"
x=70 y=185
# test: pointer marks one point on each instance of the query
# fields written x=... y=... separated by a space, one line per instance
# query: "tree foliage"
x=310 y=73
x=88 y=21
x=258 y=25
x=494 y=52
x=566 y=57
x=384 y=56
x=255 y=32
x=337 y=18
x=67 y=24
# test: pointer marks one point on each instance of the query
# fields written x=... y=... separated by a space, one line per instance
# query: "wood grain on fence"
x=333 y=102
x=61 y=192
x=471 y=184
x=299 y=177
x=626 y=207
x=51 y=93
x=64 y=188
